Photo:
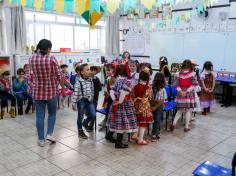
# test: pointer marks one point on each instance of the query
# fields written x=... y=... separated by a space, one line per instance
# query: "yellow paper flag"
x=148 y=3
x=95 y=16
x=59 y=6
x=80 y=6
x=23 y=3
x=112 y=5
x=38 y=4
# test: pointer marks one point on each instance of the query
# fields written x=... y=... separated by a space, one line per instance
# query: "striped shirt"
x=83 y=88
x=47 y=75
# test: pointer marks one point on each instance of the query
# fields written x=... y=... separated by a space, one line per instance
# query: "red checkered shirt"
x=47 y=74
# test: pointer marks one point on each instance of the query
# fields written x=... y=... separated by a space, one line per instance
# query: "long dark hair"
x=158 y=82
x=208 y=66
x=144 y=76
x=121 y=70
x=43 y=46
x=187 y=64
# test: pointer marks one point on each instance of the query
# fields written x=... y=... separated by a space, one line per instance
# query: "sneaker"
x=154 y=138
x=12 y=113
x=82 y=134
x=51 y=138
x=172 y=128
x=87 y=127
x=27 y=109
x=41 y=143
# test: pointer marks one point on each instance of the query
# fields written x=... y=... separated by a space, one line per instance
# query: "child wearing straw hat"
x=6 y=92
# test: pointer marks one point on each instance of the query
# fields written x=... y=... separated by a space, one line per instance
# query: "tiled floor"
x=212 y=138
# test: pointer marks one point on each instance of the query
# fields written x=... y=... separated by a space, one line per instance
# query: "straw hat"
x=194 y=62
x=4 y=69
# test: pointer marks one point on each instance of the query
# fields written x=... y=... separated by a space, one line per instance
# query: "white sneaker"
x=51 y=139
x=41 y=143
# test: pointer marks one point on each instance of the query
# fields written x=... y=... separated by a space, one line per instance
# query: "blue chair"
x=170 y=106
x=210 y=169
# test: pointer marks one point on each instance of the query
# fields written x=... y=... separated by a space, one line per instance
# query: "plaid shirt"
x=47 y=74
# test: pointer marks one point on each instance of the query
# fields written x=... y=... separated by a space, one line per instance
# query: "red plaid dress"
x=47 y=74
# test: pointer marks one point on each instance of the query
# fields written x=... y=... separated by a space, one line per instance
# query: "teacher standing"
x=47 y=77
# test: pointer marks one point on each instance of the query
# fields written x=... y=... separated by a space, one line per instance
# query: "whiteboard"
x=218 y=47
x=205 y=47
x=169 y=45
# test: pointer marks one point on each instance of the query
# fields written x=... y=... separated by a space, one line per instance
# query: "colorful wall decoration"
x=93 y=10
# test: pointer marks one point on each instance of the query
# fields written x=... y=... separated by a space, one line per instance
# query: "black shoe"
x=121 y=146
x=27 y=109
x=82 y=134
x=110 y=139
x=86 y=126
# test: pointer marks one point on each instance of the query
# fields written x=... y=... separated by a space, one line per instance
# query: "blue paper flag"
x=95 y=5
x=177 y=20
x=200 y=9
x=49 y=5
x=30 y=4
x=69 y=6
x=16 y=2
x=129 y=4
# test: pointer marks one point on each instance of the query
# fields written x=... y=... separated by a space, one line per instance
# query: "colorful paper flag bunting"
x=148 y=3
x=112 y=5
x=38 y=4
x=69 y=6
x=59 y=6
x=95 y=6
x=48 y=5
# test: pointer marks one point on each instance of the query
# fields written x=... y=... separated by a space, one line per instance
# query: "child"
x=83 y=99
x=68 y=89
x=121 y=117
x=28 y=77
x=6 y=92
x=20 y=88
x=141 y=96
x=133 y=72
x=185 y=83
x=207 y=96
x=159 y=96
x=163 y=64
x=94 y=70
x=74 y=77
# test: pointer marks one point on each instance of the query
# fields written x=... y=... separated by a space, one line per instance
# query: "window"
x=64 y=31
x=61 y=36
x=81 y=38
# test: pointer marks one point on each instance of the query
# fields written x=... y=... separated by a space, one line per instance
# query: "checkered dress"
x=125 y=121
x=186 y=81
x=47 y=74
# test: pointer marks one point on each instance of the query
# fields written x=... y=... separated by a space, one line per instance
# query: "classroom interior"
x=97 y=32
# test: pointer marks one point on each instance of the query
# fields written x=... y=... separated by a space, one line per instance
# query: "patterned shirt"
x=47 y=74
x=83 y=88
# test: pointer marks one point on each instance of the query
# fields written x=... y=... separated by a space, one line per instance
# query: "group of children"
x=133 y=98
x=18 y=92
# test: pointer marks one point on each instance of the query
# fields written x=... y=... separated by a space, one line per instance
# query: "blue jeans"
x=24 y=96
x=82 y=106
x=40 y=116
x=158 y=116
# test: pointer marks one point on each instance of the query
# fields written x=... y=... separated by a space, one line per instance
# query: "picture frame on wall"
x=154 y=13
x=166 y=11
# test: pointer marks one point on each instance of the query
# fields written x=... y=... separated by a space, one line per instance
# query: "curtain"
x=18 y=30
x=112 y=36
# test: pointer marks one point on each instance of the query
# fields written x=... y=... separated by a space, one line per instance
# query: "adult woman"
x=47 y=76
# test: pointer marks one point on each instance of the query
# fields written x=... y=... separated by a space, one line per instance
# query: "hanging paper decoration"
x=23 y=3
x=81 y=6
x=95 y=5
x=200 y=9
x=112 y=5
x=95 y=17
x=177 y=20
x=38 y=4
x=88 y=60
x=69 y=6
x=48 y=5
x=30 y=4
x=148 y=3
x=129 y=4
x=59 y=6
